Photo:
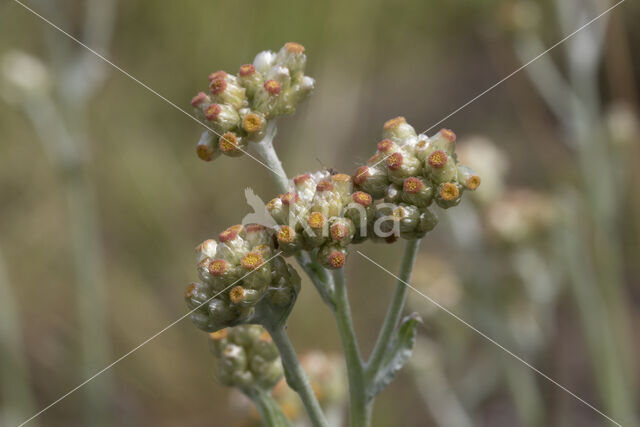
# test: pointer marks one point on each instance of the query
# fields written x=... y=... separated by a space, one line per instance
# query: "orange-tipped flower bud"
x=273 y=87
x=199 y=99
x=218 y=267
x=252 y=260
x=246 y=70
x=437 y=159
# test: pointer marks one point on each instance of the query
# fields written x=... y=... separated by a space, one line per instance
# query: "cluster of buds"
x=246 y=358
x=238 y=107
x=324 y=213
x=238 y=273
x=387 y=198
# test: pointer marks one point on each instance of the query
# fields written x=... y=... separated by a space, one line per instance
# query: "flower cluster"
x=324 y=213
x=238 y=107
x=239 y=272
x=387 y=198
x=246 y=357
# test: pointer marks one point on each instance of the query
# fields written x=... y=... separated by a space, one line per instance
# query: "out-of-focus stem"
x=18 y=401
x=269 y=409
x=296 y=377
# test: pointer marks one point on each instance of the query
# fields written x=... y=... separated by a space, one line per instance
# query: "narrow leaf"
x=397 y=354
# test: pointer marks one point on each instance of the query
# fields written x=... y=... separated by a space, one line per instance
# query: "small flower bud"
x=199 y=99
x=250 y=79
x=386 y=147
x=264 y=61
x=196 y=294
x=292 y=56
x=257 y=234
x=305 y=187
x=244 y=296
x=448 y=195
x=468 y=178
x=206 y=249
x=231 y=246
x=288 y=240
x=218 y=340
x=398 y=129
x=326 y=200
x=444 y=140
x=253 y=123
x=408 y=217
x=226 y=90
x=223 y=117
x=428 y=221
x=332 y=257
x=441 y=167
x=231 y=144
x=372 y=179
x=393 y=194
x=342 y=184
x=252 y=261
x=341 y=230
x=317 y=231
x=277 y=210
x=205 y=149
x=417 y=191
x=360 y=211
x=402 y=165
x=273 y=87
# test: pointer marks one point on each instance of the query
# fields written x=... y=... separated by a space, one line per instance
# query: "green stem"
x=296 y=377
x=394 y=312
x=359 y=410
x=265 y=150
x=269 y=409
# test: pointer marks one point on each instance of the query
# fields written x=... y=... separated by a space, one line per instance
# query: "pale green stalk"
x=296 y=377
x=394 y=312
x=15 y=392
x=359 y=410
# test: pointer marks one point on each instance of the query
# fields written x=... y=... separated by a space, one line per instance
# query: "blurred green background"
x=102 y=201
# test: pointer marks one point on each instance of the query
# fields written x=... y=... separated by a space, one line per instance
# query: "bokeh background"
x=102 y=201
